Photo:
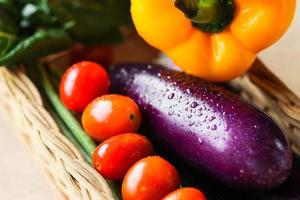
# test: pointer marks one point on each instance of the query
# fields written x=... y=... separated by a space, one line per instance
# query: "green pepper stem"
x=208 y=15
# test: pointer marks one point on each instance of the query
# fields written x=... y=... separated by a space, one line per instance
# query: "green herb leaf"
x=38 y=13
x=92 y=20
x=41 y=43
x=31 y=29
x=8 y=31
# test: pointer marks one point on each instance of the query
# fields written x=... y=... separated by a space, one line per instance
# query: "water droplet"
x=208 y=127
x=159 y=74
x=191 y=123
x=200 y=140
x=241 y=171
x=186 y=109
x=227 y=127
x=194 y=104
x=178 y=115
x=124 y=72
x=200 y=114
x=170 y=113
x=168 y=77
x=214 y=127
x=188 y=91
x=190 y=116
x=171 y=96
x=212 y=118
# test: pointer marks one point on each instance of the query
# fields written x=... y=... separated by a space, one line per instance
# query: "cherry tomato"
x=151 y=178
x=185 y=194
x=115 y=156
x=111 y=115
x=82 y=83
x=97 y=53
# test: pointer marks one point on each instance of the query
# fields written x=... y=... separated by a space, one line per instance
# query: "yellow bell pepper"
x=215 y=55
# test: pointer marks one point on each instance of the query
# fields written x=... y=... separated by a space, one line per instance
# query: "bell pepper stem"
x=208 y=15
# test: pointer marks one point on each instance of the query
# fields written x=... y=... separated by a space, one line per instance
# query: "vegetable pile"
x=148 y=130
x=114 y=120
x=208 y=127
x=211 y=129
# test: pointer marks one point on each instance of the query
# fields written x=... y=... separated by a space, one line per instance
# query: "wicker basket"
x=64 y=164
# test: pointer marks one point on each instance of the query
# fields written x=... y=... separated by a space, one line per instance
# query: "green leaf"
x=38 y=13
x=30 y=29
x=8 y=31
x=8 y=3
x=92 y=20
x=41 y=43
x=12 y=7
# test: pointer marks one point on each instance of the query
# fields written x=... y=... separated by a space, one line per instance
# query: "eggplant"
x=212 y=129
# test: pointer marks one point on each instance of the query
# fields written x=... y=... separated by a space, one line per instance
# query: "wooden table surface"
x=20 y=179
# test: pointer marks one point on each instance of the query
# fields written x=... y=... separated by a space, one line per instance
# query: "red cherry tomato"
x=98 y=54
x=186 y=194
x=115 y=156
x=81 y=84
x=151 y=178
x=111 y=115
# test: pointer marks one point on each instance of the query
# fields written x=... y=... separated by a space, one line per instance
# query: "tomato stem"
x=70 y=121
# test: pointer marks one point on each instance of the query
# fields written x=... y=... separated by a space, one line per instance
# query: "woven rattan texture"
x=63 y=163
x=265 y=90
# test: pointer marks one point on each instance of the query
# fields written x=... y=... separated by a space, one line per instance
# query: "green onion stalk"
x=67 y=122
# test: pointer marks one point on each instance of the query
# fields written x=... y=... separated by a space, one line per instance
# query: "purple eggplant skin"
x=208 y=127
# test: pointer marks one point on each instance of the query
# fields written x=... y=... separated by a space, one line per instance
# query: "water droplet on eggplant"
x=214 y=127
x=194 y=104
x=171 y=96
